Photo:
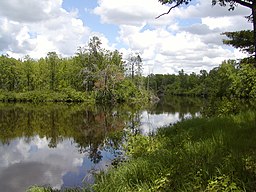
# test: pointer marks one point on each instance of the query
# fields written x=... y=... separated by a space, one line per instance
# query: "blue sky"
x=188 y=38
x=91 y=20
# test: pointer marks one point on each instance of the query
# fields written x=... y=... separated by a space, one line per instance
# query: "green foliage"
x=8 y=73
x=223 y=107
x=222 y=183
x=244 y=84
x=94 y=74
x=240 y=39
x=66 y=95
x=230 y=79
x=127 y=91
x=49 y=189
x=203 y=154
x=38 y=189
x=139 y=144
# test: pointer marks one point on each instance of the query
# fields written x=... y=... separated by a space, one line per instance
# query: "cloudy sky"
x=188 y=38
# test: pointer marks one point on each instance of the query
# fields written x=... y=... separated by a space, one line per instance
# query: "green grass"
x=49 y=189
x=203 y=154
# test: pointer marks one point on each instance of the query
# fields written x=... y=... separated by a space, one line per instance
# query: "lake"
x=63 y=145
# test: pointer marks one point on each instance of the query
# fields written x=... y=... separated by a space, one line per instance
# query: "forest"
x=93 y=75
x=230 y=79
x=97 y=75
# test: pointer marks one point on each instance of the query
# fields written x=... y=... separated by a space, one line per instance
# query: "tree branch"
x=178 y=4
x=249 y=17
x=246 y=4
x=241 y=2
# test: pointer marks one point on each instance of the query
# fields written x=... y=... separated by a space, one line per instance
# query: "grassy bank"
x=203 y=154
x=141 y=97
x=66 y=95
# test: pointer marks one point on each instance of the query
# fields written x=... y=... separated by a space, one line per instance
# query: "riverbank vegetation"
x=200 y=154
x=93 y=75
x=215 y=152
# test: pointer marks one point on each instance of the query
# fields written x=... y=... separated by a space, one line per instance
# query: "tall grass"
x=202 y=154
x=49 y=189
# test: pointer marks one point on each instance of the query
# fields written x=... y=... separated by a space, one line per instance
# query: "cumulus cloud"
x=37 y=27
x=29 y=11
x=188 y=38
x=131 y=12
x=205 y=9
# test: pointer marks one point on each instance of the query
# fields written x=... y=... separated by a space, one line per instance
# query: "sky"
x=188 y=38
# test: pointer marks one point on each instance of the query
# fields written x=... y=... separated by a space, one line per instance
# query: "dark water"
x=62 y=145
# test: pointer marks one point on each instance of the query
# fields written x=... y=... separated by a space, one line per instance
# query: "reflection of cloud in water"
x=150 y=122
x=19 y=176
x=23 y=164
x=75 y=178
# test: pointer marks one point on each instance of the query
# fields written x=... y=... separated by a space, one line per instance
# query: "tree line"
x=230 y=79
x=93 y=72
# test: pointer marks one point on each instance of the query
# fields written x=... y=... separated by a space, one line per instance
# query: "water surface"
x=62 y=145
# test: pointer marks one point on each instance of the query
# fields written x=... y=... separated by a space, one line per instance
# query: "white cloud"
x=28 y=11
x=132 y=12
x=189 y=37
x=204 y=8
x=38 y=27
x=166 y=44
x=226 y=23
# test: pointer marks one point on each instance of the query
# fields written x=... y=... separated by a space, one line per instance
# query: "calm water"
x=63 y=145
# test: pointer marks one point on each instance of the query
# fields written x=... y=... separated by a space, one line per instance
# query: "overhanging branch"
x=169 y=10
x=246 y=4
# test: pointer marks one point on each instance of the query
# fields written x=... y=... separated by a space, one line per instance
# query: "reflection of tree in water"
x=97 y=132
x=178 y=104
x=8 y=125
x=135 y=122
x=90 y=134
x=95 y=155
x=55 y=137
x=93 y=130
